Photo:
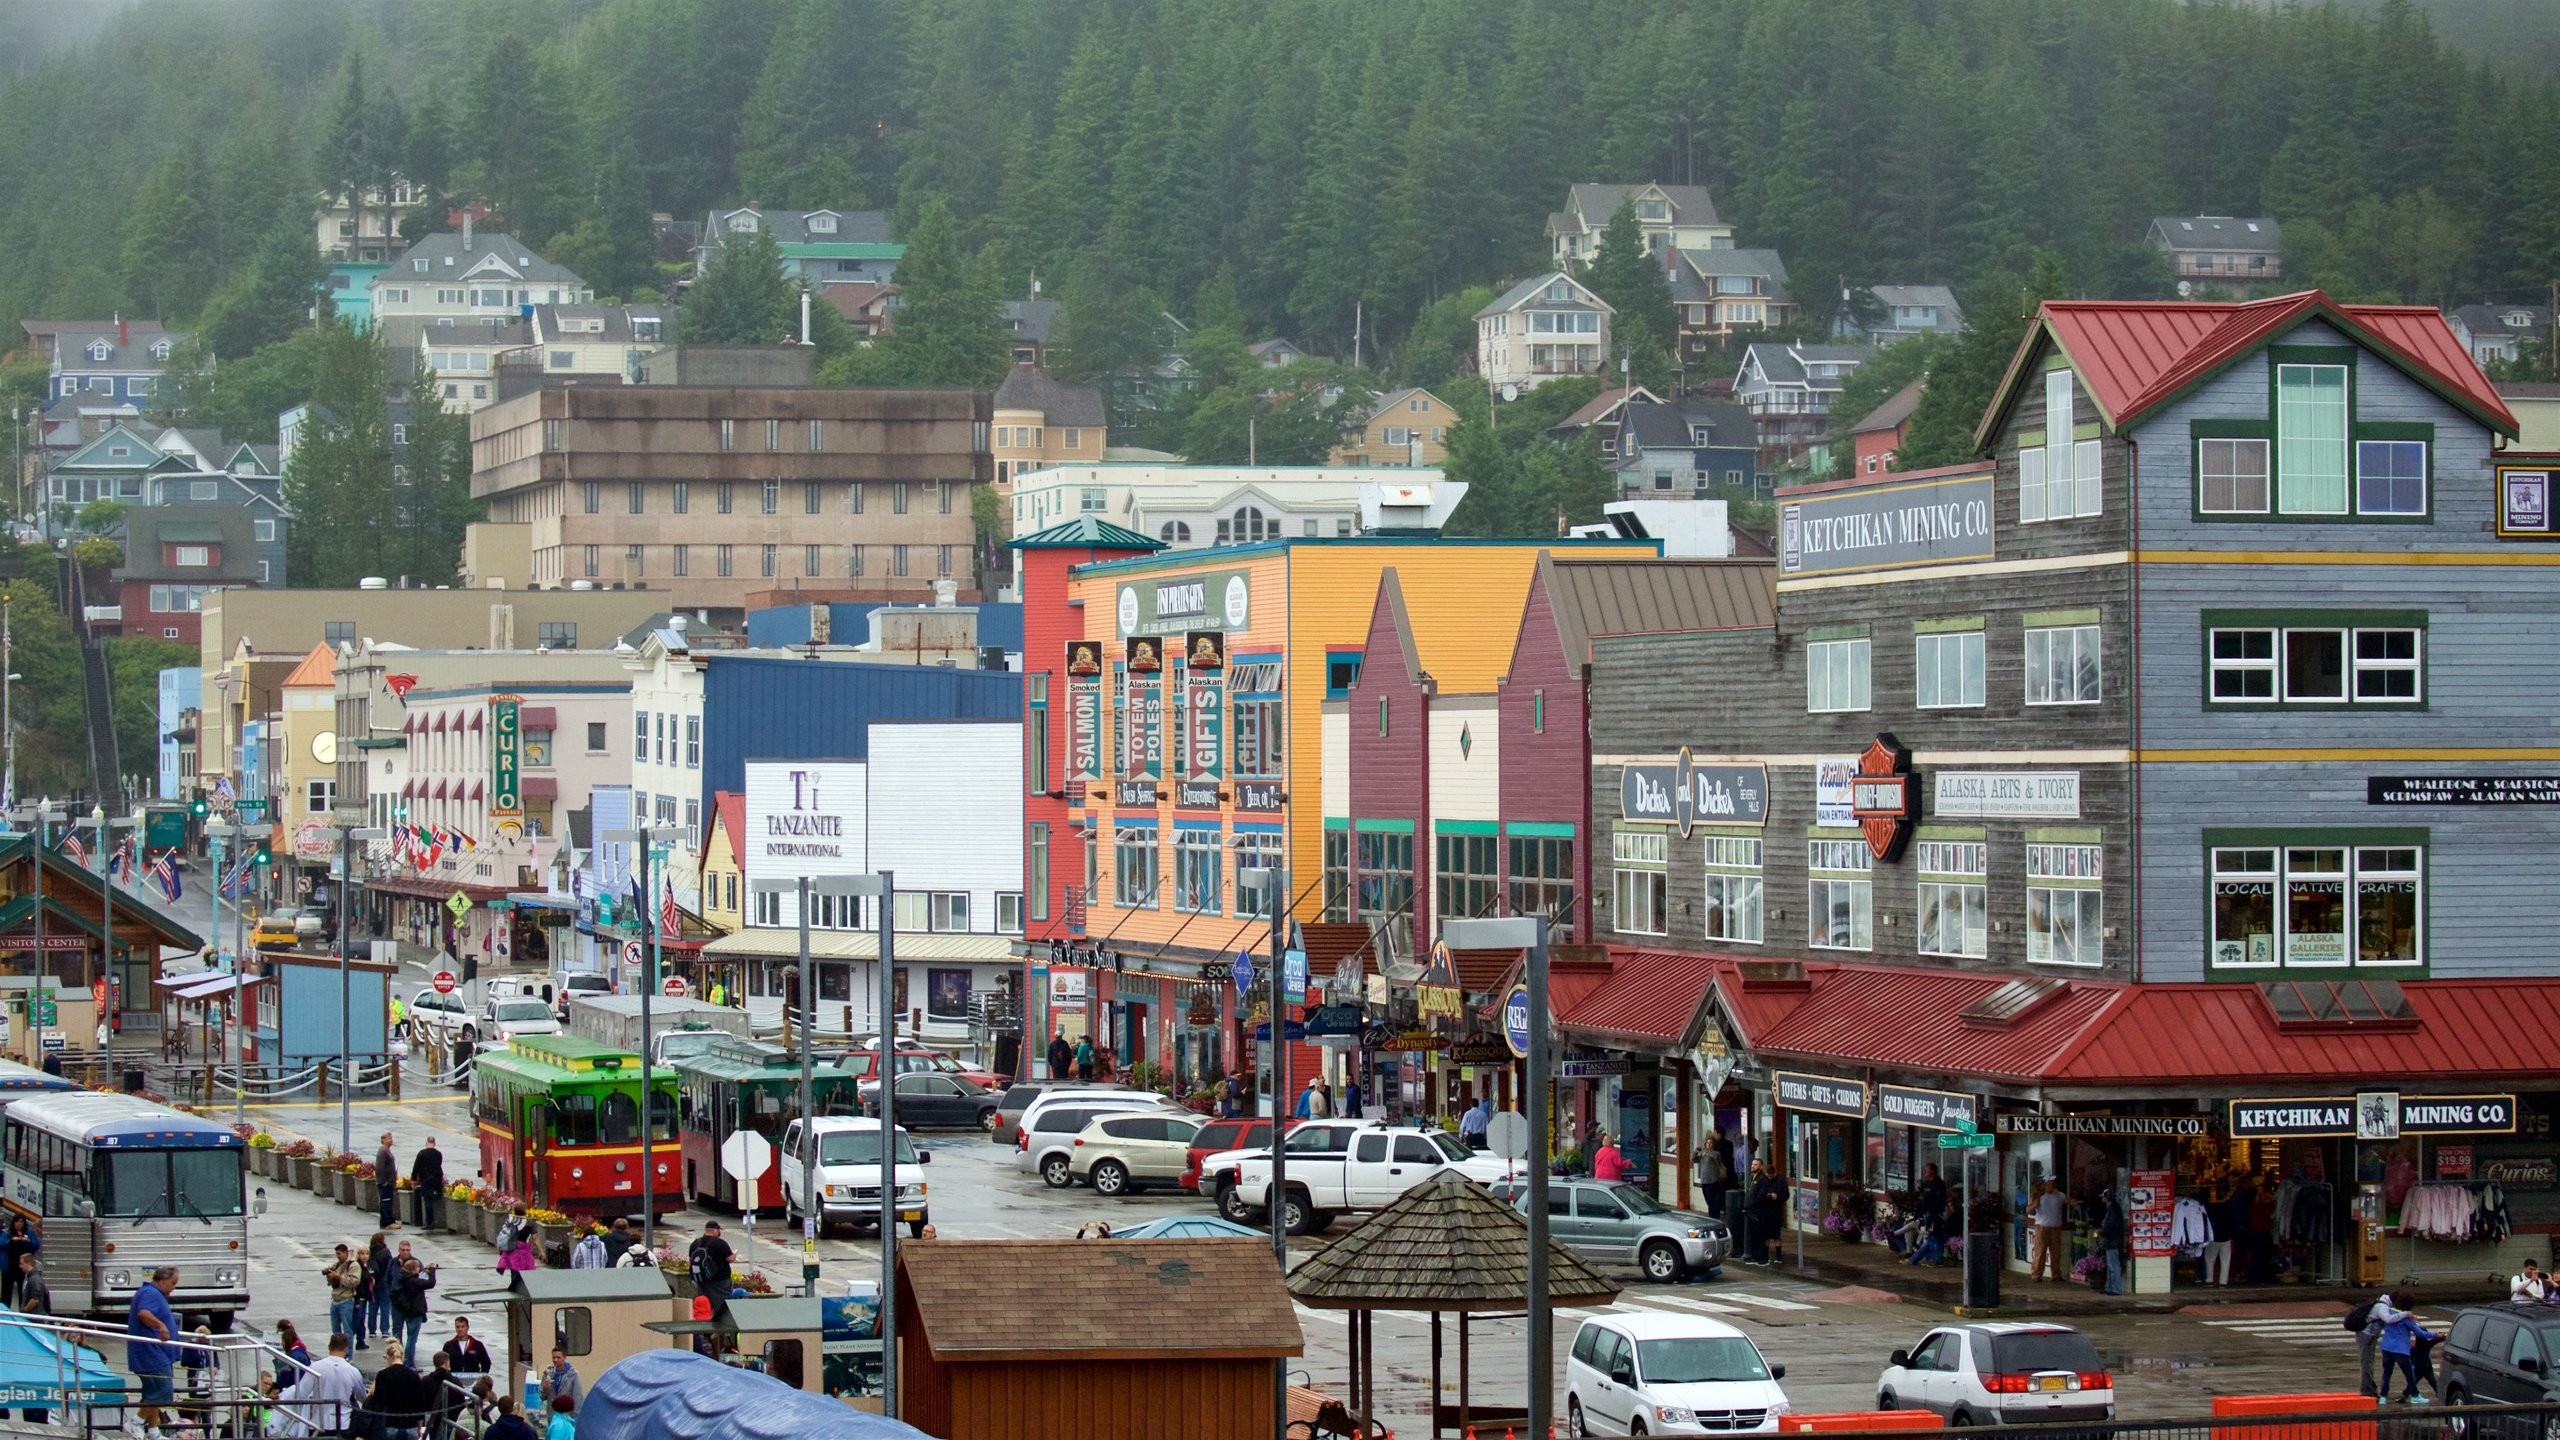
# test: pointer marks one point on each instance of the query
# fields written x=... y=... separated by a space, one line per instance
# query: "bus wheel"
x=220 y=1322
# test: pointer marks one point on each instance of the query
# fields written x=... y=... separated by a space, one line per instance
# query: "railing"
x=232 y=1383
x=2389 y=1422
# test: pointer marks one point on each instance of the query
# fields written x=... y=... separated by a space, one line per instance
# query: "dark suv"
x=2503 y=1354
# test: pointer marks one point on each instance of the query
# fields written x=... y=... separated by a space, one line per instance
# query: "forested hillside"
x=1322 y=155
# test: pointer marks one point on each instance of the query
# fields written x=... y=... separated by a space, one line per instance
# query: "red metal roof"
x=1909 y=1018
x=2136 y=354
x=731 y=807
x=2494 y=1032
x=1649 y=996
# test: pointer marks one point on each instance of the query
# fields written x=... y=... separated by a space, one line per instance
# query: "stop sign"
x=674 y=988
x=443 y=981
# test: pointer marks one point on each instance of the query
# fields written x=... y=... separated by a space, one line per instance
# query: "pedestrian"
x=472 y=1416
x=292 y=1356
x=2052 y=1215
x=1084 y=1058
x=2367 y=1321
x=409 y=1301
x=2532 y=1286
x=1351 y=1100
x=2399 y=1346
x=426 y=1171
x=1062 y=1056
x=2111 y=1240
x=2262 y=1230
x=564 y=1425
x=444 y=1395
x=34 y=1298
x=709 y=1259
x=151 y=1328
x=1473 y=1125
x=326 y=1394
x=381 y=1267
x=561 y=1379
x=470 y=1357
x=620 y=1242
x=719 y=993
x=1233 y=1105
x=386 y=1178
x=516 y=1240
x=589 y=1253
x=1767 y=1202
x=1608 y=1162
x=2213 y=1267
x=398 y=1399
x=509 y=1425
x=196 y=1411
x=346 y=1293
x=22 y=1241
x=1312 y=1104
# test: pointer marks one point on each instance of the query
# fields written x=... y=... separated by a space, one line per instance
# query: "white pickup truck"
x=1336 y=1167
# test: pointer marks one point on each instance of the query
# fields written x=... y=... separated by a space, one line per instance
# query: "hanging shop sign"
x=1204 y=712
x=1334 y=1020
x=1592 y=1067
x=1687 y=794
x=2462 y=789
x=2525 y=510
x=2374 y=1115
x=1084 y=709
x=1261 y=796
x=2006 y=795
x=2151 y=1206
x=1134 y=794
x=1436 y=993
x=1479 y=1050
x=2175 y=1126
x=506 y=760
x=1833 y=791
x=1220 y=599
x=1415 y=1041
x=1884 y=798
x=1143 y=739
x=1887 y=527
x=1928 y=1109
x=1821 y=1094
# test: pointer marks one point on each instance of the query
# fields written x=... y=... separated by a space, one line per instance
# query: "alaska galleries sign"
x=1884 y=799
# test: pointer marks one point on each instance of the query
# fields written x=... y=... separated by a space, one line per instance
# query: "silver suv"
x=1608 y=1222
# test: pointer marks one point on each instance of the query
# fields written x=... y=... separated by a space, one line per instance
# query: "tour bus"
x=559 y=1119
x=120 y=1186
x=17 y=1079
x=730 y=1085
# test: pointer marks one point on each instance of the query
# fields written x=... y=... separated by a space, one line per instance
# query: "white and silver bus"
x=119 y=1186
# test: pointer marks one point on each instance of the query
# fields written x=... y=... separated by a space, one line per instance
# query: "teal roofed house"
x=819 y=247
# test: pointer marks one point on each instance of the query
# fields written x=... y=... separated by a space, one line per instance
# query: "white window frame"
x=2227 y=448
x=1839 y=871
x=1199 y=871
x=1640 y=883
x=2380 y=667
x=1954 y=874
x=2240 y=869
x=2293 y=444
x=1135 y=856
x=2081 y=642
x=2238 y=667
x=1931 y=654
x=2066 y=906
x=1832 y=667
x=1734 y=914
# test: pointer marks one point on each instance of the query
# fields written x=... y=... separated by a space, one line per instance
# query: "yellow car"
x=275 y=928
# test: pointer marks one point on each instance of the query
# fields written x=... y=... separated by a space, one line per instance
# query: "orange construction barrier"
x=2320 y=1404
x=1864 y=1420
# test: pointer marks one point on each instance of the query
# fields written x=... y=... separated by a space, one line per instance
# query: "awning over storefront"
x=429 y=887
x=2330 y=1032
x=1649 y=1000
x=1943 y=1022
x=860 y=945
x=206 y=987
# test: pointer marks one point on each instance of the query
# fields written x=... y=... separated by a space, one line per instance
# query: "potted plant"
x=553 y=1225
x=297 y=1158
x=494 y=1210
x=1567 y=1161
x=340 y=1183
x=368 y=1191
x=405 y=1201
x=262 y=1154
x=679 y=1274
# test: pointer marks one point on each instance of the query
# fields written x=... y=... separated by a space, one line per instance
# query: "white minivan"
x=1660 y=1374
x=849 y=1175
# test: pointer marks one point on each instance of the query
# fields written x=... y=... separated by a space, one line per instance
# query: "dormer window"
x=2518 y=320
x=1559 y=292
x=743 y=223
x=822 y=224
x=99 y=350
x=1653 y=210
x=422 y=265
x=1697 y=434
x=159 y=349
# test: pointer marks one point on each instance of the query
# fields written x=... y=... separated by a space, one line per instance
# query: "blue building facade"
x=770 y=708
x=181 y=691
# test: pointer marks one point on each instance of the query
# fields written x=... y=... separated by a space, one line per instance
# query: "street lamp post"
x=644 y=838
x=348 y=835
x=215 y=832
x=1272 y=882
x=1528 y=933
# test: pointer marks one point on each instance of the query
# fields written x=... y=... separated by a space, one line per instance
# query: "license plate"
x=910 y=1214
x=2049 y=1382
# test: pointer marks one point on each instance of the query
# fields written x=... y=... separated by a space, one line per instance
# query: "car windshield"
x=1698 y=1360
x=1638 y=1202
x=1449 y=1148
x=676 y=1045
x=513 y=1010
x=860 y=1147
x=2028 y=1351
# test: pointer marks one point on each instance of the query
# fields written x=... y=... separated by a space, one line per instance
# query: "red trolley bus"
x=730 y=1084
x=559 y=1120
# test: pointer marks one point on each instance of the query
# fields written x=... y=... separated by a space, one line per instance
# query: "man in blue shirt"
x=151 y=1326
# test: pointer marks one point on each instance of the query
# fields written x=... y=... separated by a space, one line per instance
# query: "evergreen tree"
x=1961 y=384
x=433 y=486
x=1631 y=278
x=742 y=297
x=347 y=514
x=950 y=328
x=276 y=295
x=172 y=247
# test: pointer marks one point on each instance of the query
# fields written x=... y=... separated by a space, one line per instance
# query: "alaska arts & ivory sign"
x=2007 y=795
x=1883 y=527
x=1686 y=794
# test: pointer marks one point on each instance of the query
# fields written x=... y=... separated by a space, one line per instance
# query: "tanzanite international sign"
x=1686 y=794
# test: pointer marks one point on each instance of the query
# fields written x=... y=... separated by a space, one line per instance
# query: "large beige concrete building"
x=704 y=493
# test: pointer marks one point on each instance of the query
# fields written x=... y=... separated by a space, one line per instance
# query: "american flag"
x=670 y=922
x=72 y=847
x=222 y=788
x=239 y=871
x=165 y=869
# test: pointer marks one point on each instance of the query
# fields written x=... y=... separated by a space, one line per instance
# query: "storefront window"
x=1839 y=898
x=1954 y=906
x=1542 y=876
x=1257 y=737
x=1198 y=874
x=2315 y=906
x=2329 y=893
x=1639 y=895
x=2064 y=911
x=1733 y=889
x=2387 y=884
x=1464 y=875
x=1133 y=859
x=1337 y=874
x=1256 y=850
x=2244 y=907
x=1386 y=873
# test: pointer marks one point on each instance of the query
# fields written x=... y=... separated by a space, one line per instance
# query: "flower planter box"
x=368 y=1195
x=298 y=1171
x=488 y=1224
x=554 y=1236
x=261 y=1162
x=405 y=1207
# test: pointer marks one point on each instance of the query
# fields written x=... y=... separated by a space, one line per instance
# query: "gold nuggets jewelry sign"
x=1084 y=709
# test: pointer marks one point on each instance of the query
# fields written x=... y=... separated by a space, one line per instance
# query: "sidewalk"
x=1877 y=1267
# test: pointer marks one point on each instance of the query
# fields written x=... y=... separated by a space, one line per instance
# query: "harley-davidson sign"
x=1883 y=799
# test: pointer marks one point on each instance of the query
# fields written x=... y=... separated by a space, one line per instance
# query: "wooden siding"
x=2106 y=530
x=1388 y=730
x=1090 y=1399
x=1466 y=758
x=1546 y=771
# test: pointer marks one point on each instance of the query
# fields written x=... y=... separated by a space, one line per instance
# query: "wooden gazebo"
x=1446 y=1246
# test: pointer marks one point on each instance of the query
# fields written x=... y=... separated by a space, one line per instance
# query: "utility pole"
x=888 y=1072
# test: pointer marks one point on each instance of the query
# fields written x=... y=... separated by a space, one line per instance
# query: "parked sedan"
x=928 y=1100
x=1121 y=1154
x=1609 y=1222
x=2004 y=1373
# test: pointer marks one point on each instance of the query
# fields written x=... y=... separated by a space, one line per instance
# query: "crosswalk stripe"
x=2306 y=1330
x=1684 y=1302
x=1765 y=1302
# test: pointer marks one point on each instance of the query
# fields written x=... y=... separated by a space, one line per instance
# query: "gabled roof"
x=1390 y=603
x=1031 y=319
x=148 y=527
x=2218 y=233
x=514 y=255
x=1028 y=387
x=791 y=227
x=144 y=456
x=2136 y=355
x=1896 y=408
x=1728 y=424
x=1591 y=205
x=2492 y=319
x=1634 y=596
x=1446 y=1244
x=995 y=1301
x=1939 y=295
x=1602 y=405
x=1396 y=400
x=729 y=812
x=319 y=668
x=1655 y=427
x=1522 y=293
x=1783 y=362
x=1085 y=532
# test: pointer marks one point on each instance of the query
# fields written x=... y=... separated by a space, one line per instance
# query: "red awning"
x=1903 y=1017
x=475 y=795
x=479 y=720
x=409 y=726
x=541 y=789
x=1650 y=998
x=438 y=729
x=538 y=717
x=2488 y=1032
x=440 y=795
x=408 y=789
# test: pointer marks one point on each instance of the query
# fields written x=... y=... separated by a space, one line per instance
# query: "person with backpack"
x=2403 y=1340
x=2366 y=1322
x=516 y=1242
x=409 y=1301
x=709 y=1259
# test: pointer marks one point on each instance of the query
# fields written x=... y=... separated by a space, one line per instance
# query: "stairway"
x=106 y=772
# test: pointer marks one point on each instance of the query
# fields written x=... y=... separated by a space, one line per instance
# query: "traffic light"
x=264 y=855
x=199 y=807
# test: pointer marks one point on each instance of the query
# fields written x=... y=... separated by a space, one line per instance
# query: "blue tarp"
x=678 y=1395
x=36 y=1367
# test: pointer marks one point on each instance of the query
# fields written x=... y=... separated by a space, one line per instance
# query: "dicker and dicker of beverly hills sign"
x=1925 y=522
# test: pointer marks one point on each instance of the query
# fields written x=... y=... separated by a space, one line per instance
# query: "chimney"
x=804 y=314
x=122 y=337
x=466 y=228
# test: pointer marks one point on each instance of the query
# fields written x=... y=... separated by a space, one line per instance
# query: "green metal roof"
x=1083 y=532
x=754 y=1060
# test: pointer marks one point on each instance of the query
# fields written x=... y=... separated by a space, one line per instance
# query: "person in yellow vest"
x=719 y=995
x=399 y=1015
